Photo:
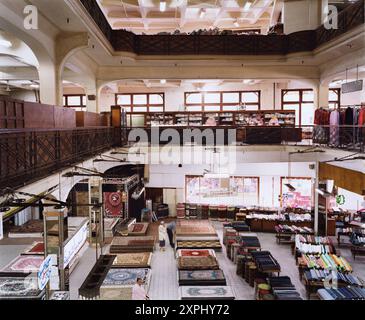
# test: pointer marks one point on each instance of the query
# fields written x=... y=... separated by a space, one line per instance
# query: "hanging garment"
x=349 y=116
x=320 y=132
x=334 y=128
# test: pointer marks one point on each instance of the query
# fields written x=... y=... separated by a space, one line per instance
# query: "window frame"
x=230 y=177
x=338 y=92
x=81 y=96
x=220 y=104
x=148 y=105
x=301 y=102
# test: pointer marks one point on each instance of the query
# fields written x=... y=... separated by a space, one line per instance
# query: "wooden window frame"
x=66 y=96
x=148 y=105
x=338 y=92
x=300 y=102
x=221 y=105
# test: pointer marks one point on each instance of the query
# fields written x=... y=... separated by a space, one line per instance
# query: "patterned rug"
x=138 y=229
x=132 y=244
x=195 y=253
x=32 y=228
x=198 y=228
x=206 y=293
x=133 y=260
x=201 y=277
x=37 y=248
x=126 y=277
x=19 y=287
x=196 y=244
x=197 y=263
x=24 y=264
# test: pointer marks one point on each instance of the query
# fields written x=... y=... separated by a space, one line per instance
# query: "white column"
x=92 y=105
x=49 y=84
x=1 y=226
x=321 y=95
x=316 y=202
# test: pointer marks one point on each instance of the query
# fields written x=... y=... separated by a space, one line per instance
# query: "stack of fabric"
x=283 y=289
x=132 y=244
x=357 y=239
x=292 y=229
x=313 y=248
x=313 y=239
x=265 y=262
x=345 y=293
x=240 y=226
x=321 y=275
x=325 y=261
x=249 y=241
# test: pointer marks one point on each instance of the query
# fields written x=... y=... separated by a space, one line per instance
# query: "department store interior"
x=212 y=150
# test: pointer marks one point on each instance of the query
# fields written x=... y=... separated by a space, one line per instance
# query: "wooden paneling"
x=18 y=114
x=88 y=119
x=11 y=114
x=39 y=115
x=350 y=180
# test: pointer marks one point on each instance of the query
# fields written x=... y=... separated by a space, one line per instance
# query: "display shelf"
x=272 y=118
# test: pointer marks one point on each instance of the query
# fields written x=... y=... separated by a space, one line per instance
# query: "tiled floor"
x=164 y=285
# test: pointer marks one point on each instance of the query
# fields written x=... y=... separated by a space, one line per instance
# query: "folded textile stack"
x=298 y=217
x=240 y=226
x=272 y=217
x=197 y=263
x=313 y=239
x=265 y=261
x=321 y=275
x=229 y=234
x=249 y=241
x=357 y=239
x=283 y=289
x=325 y=261
x=292 y=229
x=313 y=248
x=346 y=293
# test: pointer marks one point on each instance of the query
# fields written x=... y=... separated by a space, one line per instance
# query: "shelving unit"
x=283 y=118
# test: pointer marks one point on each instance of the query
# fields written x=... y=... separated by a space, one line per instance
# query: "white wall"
x=353 y=201
x=26 y=95
x=353 y=97
x=174 y=97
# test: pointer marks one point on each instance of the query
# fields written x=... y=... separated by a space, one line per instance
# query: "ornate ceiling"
x=154 y=16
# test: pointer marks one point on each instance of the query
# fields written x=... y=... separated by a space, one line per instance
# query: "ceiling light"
x=162 y=6
x=247 y=81
x=247 y=6
x=202 y=13
x=236 y=24
x=5 y=43
x=34 y=85
x=163 y=81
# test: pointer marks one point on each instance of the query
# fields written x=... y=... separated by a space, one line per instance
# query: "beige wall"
x=174 y=97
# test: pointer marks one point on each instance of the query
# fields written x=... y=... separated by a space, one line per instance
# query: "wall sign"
x=352 y=86
x=340 y=199
x=73 y=246
x=44 y=272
